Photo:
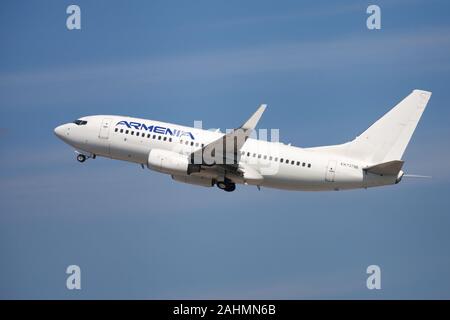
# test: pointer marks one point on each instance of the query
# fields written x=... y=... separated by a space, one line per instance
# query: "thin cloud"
x=315 y=12
x=336 y=54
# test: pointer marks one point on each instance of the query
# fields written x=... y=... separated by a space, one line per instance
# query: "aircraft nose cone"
x=59 y=131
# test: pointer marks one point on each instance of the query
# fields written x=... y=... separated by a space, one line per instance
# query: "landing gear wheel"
x=226 y=185
x=81 y=158
x=221 y=185
x=230 y=188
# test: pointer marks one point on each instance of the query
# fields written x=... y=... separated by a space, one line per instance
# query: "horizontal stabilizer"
x=390 y=168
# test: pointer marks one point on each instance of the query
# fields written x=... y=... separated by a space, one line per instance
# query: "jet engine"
x=167 y=162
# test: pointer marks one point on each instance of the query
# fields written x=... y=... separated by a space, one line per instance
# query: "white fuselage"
x=124 y=138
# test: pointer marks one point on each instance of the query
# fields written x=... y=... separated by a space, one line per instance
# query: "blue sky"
x=136 y=233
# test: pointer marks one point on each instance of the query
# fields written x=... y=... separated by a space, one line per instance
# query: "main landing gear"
x=226 y=185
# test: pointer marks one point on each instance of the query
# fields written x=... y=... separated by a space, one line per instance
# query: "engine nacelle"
x=167 y=162
x=199 y=181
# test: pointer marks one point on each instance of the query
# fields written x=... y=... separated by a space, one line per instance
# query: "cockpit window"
x=80 y=122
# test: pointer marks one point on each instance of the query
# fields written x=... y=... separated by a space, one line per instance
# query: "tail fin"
x=386 y=139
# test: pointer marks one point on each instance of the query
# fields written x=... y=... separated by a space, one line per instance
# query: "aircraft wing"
x=225 y=150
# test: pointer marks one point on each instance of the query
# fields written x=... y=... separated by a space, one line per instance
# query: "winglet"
x=254 y=119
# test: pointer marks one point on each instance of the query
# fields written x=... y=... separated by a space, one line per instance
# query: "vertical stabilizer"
x=387 y=138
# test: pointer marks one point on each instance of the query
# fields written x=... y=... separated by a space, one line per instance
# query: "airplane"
x=212 y=158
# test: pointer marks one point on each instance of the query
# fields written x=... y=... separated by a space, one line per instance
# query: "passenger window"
x=254 y=155
x=148 y=135
x=270 y=158
x=303 y=164
x=165 y=138
x=192 y=143
x=126 y=132
x=298 y=163
x=259 y=156
x=170 y=139
x=121 y=130
x=115 y=130
x=292 y=162
x=159 y=137
x=154 y=136
x=248 y=154
x=276 y=159
x=309 y=165
x=265 y=157
x=281 y=160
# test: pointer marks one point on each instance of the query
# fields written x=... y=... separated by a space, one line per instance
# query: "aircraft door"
x=104 y=129
x=331 y=171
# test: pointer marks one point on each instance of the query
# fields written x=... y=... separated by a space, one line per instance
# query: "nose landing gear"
x=226 y=185
x=81 y=158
